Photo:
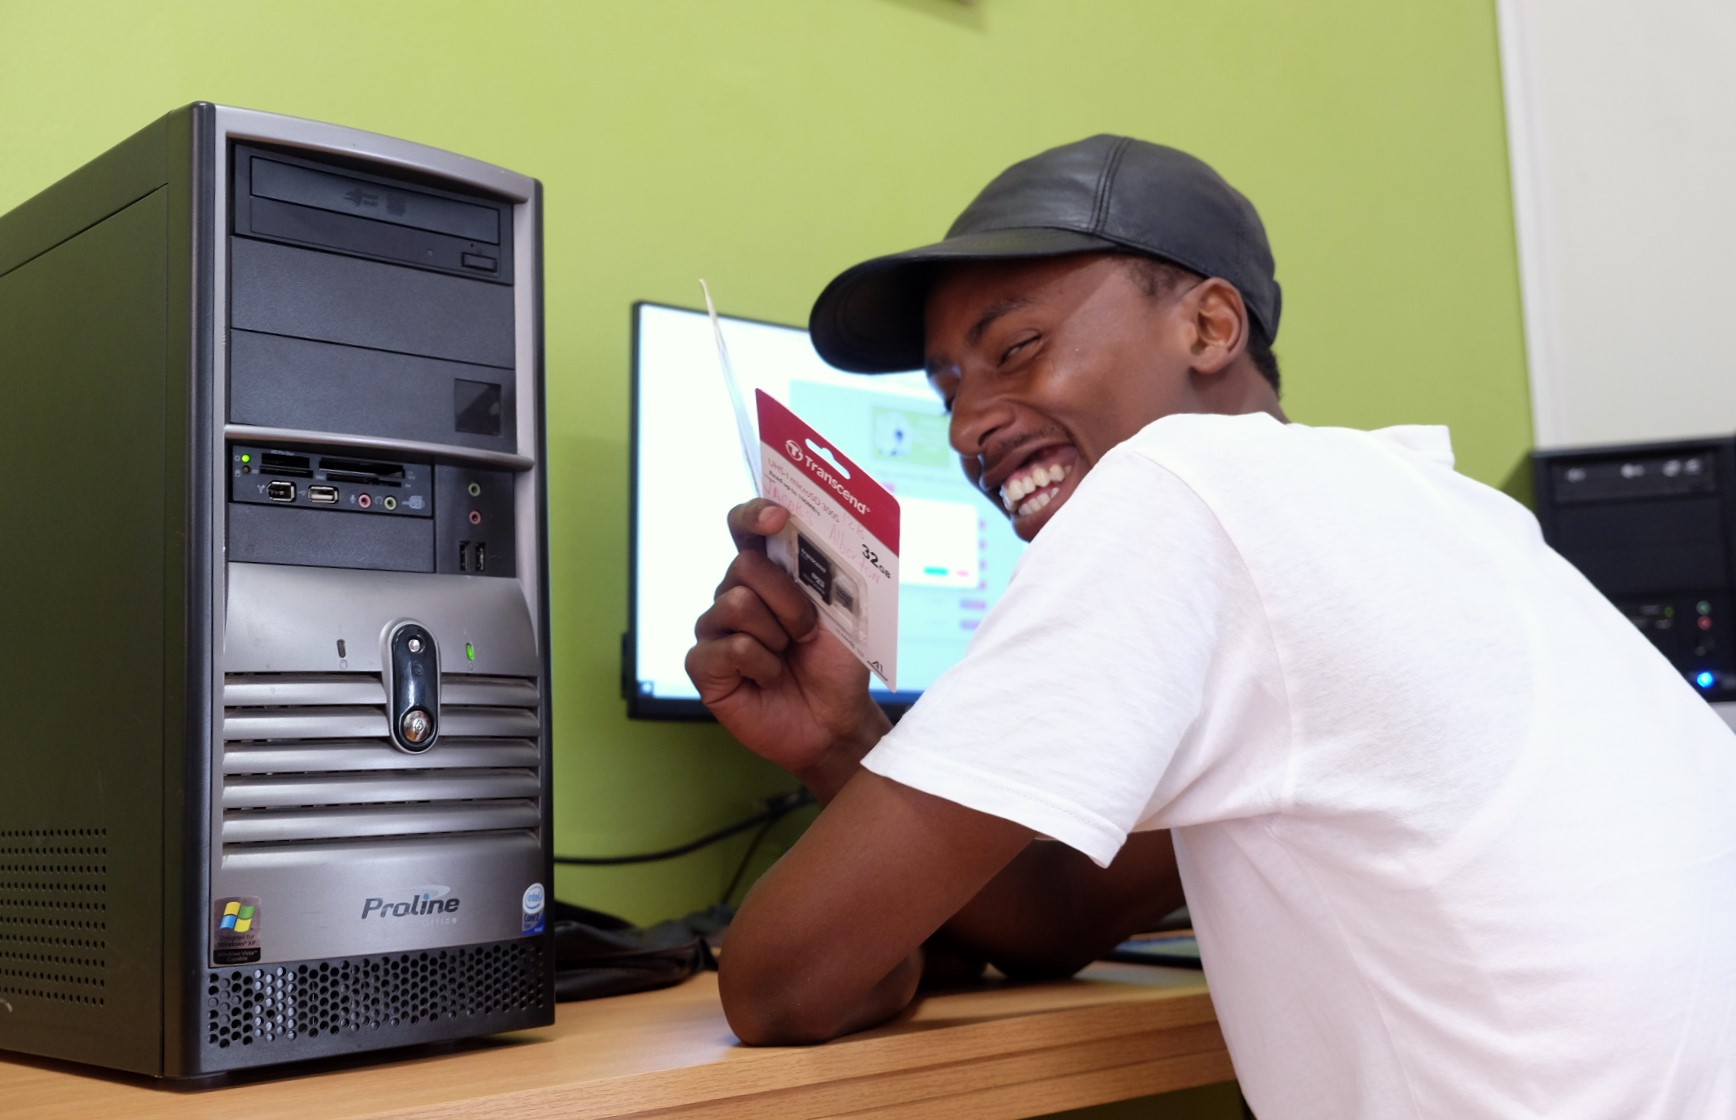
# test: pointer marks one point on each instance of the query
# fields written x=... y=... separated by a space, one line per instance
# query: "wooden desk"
x=1118 y=1032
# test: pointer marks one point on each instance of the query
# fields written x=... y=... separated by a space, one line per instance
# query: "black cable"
x=776 y=809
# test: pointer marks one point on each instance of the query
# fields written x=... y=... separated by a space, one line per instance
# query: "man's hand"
x=785 y=688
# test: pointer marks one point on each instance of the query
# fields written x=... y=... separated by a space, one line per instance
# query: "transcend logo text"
x=819 y=471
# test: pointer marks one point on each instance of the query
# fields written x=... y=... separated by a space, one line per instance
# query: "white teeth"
x=1015 y=490
x=1036 y=504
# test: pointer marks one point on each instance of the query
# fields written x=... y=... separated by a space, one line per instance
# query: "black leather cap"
x=1108 y=193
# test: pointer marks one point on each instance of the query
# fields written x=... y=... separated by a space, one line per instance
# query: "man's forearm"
x=1052 y=911
x=829 y=940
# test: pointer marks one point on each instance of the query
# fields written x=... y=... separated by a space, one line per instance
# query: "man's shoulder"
x=1259 y=442
x=1209 y=433
x=1261 y=476
x=1205 y=448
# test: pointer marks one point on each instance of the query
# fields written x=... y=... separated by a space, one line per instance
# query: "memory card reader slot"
x=284 y=464
x=363 y=473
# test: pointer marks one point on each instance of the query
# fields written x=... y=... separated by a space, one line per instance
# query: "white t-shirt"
x=1457 y=842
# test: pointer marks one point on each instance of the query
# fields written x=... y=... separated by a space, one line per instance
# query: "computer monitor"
x=687 y=469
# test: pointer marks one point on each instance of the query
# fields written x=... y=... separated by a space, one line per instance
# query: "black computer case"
x=274 y=721
x=1653 y=526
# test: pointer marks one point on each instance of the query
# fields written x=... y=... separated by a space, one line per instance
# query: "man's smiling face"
x=1045 y=365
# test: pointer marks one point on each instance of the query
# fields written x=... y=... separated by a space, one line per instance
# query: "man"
x=1456 y=841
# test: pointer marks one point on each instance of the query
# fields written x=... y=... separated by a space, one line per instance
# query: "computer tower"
x=274 y=720
x=1653 y=526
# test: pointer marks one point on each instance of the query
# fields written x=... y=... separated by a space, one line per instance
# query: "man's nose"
x=978 y=412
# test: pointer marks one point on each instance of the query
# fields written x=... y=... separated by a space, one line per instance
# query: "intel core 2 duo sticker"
x=235 y=931
x=535 y=910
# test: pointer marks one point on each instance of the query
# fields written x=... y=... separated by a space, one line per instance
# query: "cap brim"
x=869 y=319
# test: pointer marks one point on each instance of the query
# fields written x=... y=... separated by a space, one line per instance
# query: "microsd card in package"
x=841 y=542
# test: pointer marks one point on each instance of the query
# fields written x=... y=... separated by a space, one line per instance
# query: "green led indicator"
x=469 y=652
x=1669 y=612
x=247 y=458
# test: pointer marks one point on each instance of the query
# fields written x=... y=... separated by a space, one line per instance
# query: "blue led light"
x=1705 y=679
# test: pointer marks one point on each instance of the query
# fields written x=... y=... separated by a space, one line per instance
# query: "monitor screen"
x=956 y=550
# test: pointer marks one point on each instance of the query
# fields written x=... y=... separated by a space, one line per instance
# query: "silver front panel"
x=349 y=845
x=331 y=840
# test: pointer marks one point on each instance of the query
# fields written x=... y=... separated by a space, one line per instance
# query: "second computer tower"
x=1653 y=526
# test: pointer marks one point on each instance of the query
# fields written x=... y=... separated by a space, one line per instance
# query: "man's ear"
x=1218 y=324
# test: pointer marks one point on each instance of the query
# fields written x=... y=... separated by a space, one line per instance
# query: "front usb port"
x=464 y=556
x=324 y=495
x=281 y=491
x=481 y=556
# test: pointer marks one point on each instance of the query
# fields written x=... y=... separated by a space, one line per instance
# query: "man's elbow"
x=763 y=1012
x=759 y=1023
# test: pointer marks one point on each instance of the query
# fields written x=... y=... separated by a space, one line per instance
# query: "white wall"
x=1622 y=133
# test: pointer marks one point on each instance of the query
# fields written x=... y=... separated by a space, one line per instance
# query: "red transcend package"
x=841 y=543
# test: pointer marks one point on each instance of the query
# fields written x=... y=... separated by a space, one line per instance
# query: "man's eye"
x=1012 y=351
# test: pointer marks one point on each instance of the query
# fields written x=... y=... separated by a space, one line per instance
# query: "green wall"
x=766 y=144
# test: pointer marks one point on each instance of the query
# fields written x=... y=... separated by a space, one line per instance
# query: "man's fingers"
x=752 y=522
x=740 y=610
x=719 y=666
x=757 y=612
x=780 y=594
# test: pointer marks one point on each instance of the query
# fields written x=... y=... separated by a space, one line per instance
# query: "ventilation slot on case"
x=308 y=761
x=403 y=994
x=54 y=915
